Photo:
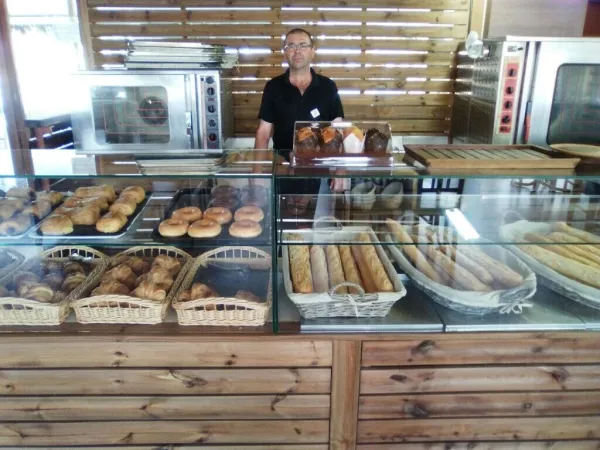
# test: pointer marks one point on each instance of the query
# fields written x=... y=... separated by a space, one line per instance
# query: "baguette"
x=462 y=260
x=567 y=267
x=456 y=272
x=367 y=281
x=376 y=269
x=318 y=265
x=583 y=235
x=566 y=251
x=350 y=270
x=334 y=266
x=412 y=251
x=583 y=249
x=446 y=280
x=300 y=266
x=501 y=272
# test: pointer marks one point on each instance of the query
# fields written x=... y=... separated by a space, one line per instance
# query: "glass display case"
x=143 y=240
x=408 y=249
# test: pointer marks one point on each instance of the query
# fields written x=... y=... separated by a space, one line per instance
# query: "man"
x=300 y=94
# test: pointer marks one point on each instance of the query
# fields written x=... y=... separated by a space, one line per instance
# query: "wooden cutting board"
x=488 y=157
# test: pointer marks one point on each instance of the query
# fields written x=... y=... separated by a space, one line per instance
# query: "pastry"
x=111 y=222
x=205 y=228
x=367 y=280
x=71 y=267
x=318 y=267
x=105 y=191
x=185 y=296
x=57 y=225
x=335 y=270
x=173 y=228
x=249 y=213
x=40 y=209
x=52 y=266
x=330 y=140
x=460 y=258
x=136 y=192
x=15 y=226
x=501 y=273
x=460 y=275
x=300 y=266
x=306 y=140
x=375 y=265
x=159 y=276
x=200 y=290
x=37 y=291
x=111 y=287
x=375 y=141
x=137 y=264
x=75 y=202
x=54 y=280
x=173 y=265
x=73 y=281
x=353 y=140
x=189 y=214
x=351 y=273
x=245 y=295
x=18 y=203
x=85 y=215
x=26 y=193
x=149 y=291
x=219 y=215
x=53 y=197
x=122 y=273
x=123 y=205
x=245 y=229
x=7 y=211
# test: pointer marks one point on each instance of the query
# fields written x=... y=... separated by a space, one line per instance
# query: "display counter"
x=501 y=358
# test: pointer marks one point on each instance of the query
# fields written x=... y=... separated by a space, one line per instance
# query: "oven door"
x=126 y=112
x=565 y=106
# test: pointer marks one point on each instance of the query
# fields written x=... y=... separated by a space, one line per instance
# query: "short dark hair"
x=298 y=31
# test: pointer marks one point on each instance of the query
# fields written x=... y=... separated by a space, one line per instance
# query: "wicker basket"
x=125 y=308
x=17 y=261
x=20 y=311
x=225 y=311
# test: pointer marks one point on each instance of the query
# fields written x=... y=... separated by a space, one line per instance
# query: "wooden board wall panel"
x=56 y=408
x=194 y=447
x=427 y=86
x=404 y=126
x=354 y=112
x=165 y=381
x=480 y=379
x=556 y=349
x=352 y=72
x=87 y=351
x=254 y=100
x=479 y=405
x=175 y=432
x=490 y=429
x=554 y=445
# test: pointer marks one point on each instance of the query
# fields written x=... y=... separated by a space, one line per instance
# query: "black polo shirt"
x=283 y=104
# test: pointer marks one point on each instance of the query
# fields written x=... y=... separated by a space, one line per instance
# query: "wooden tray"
x=488 y=157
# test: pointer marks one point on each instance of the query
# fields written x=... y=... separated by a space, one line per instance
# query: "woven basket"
x=225 y=311
x=125 y=308
x=20 y=311
x=17 y=261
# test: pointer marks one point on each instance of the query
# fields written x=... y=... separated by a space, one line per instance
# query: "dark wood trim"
x=591 y=26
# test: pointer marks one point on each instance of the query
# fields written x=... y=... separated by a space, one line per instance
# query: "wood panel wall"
x=391 y=59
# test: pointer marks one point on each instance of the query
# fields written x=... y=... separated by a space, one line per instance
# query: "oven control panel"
x=508 y=93
x=211 y=93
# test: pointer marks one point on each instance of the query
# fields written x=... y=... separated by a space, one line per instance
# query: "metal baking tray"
x=34 y=224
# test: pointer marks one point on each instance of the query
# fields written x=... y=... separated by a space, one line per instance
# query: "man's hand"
x=263 y=135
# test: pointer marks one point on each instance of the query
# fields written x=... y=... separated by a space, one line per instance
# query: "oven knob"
x=212 y=108
x=212 y=137
x=508 y=105
x=506 y=119
x=212 y=123
x=211 y=91
x=512 y=72
x=510 y=90
x=210 y=80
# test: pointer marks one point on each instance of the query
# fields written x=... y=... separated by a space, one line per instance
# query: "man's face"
x=298 y=58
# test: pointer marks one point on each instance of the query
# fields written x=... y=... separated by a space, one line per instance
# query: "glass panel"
x=131 y=115
x=575 y=114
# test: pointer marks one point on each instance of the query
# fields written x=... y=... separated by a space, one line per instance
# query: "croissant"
x=54 y=280
x=185 y=296
x=149 y=291
x=173 y=265
x=200 y=290
x=138 y=265
x=72 y=281
x=21 y=277
x=52 y=266
x=158 y=276
x=122 y=273
x=37 y=291
x=111 y=287
x=73 y=267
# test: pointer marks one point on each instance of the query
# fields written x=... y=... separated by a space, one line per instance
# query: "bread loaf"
x=412 y=252
x=367 y=281
x=318 y=266
x=501 y=273
x=334 y=267
x=583 y=235
x=582 y=248
x=351 y=273
x=566 y=251
x=461 y=259
x=456 y=272
x=300 y=266
x=375 y=265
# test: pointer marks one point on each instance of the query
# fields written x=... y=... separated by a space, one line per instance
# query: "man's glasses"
x=294 y=47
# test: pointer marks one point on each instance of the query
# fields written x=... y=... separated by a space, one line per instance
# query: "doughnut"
x=224 y=191
x=205 y=228
x=252 y=213
x=245 y=229
x=189 y=213
x=224 y=202
x=173 y=227
x=124 y=206
x=136 y=192
x=218 y=214
x=111 y=222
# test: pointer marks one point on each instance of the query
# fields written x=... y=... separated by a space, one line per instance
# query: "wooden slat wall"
x=397 y=53
x=480 y=393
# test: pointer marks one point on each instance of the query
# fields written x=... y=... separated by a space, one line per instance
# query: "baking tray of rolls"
x=91 y=209
x=22 y=209
x=463 y=276
x=226 y=197
x=566 y=259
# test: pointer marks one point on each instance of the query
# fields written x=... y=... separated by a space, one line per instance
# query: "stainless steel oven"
x=540 y=91
x=134 y=111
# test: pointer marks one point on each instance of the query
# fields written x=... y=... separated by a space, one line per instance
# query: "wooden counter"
x=135 y=389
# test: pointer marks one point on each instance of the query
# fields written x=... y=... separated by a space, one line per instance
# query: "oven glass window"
x=131 y=114
x=575 y=114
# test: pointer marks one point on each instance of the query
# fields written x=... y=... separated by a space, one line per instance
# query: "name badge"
x=315 y=113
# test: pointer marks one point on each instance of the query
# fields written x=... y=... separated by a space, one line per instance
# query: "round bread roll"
x=57 y=225
x=123 y=205
x=173 y=228
x=136 y=192
x=189 y=214
x=40 y=209
x=218 y=214
x=205 y=228
x=111 y=222
x=253 y=213
x=245 y=229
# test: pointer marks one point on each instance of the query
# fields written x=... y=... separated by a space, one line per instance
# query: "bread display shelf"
x=20 y=311
x=562 y=284
x=331 y=304
x=126 y=309
x=249 y=269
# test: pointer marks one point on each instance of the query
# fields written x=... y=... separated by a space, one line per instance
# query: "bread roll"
x=567 y=267
x=566 y=251
x=318 y=266
x=334 y=267
x=376 y=268
x=351 y=273
x=412 y=252
x=501 y=273
x=583 y=235
x=462 y=260
x=367 y=281
x=457 y=273
x=300 y=266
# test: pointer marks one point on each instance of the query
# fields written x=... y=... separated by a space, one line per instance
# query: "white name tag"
x=315 y=113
